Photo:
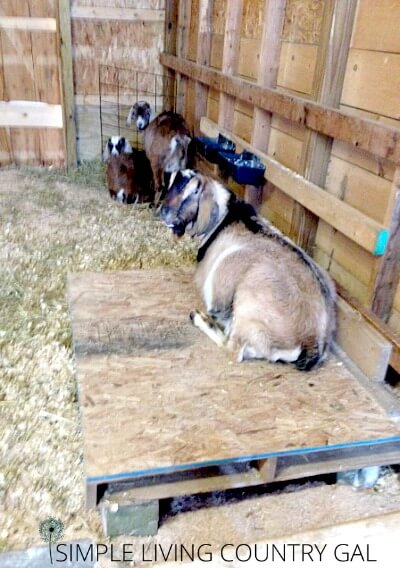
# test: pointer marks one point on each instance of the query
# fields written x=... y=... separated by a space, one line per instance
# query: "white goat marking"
x=221 y=196
x=173 y=160
x=215 y=335
x=141 y=123
x=287 y=355
x=120 y=196
x=208 y=284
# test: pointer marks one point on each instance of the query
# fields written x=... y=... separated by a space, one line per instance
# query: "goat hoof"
x=192 y=315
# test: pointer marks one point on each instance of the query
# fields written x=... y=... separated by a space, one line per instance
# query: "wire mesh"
x=120 y=88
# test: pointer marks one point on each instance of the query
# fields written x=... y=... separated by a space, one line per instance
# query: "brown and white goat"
x=265 y=297
x=166 y=142
x=129 y=177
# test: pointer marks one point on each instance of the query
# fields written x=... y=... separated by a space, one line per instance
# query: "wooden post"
x=388 y=271
x=268 y=67
x=170 y=46
x=329 y=74
x=274 y=14
x=230 y=59
x=203 y=56
x=67 y=81
x=182 y=42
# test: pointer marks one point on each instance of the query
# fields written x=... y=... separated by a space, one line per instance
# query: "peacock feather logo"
x=51 y=530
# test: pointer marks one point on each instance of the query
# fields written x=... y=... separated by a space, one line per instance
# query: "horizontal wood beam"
x=30 y=114
x=361 y=229
x=105 y=13
x=28 y=24
x=365 y=134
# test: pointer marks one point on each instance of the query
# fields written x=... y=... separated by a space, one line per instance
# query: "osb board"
x=252 y=19
x=377 y=26
x=372 y=82
x=303 y=19
x=130 y=44
x=156 y=394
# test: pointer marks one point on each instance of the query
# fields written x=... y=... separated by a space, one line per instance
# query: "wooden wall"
x=360 y=179
x=31 y=88
x=119 y=33
x=338 y=54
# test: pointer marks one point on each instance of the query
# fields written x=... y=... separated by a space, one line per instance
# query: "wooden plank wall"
x=121 y=33
x=358 y=178
x=361 y=62
x=30 y=71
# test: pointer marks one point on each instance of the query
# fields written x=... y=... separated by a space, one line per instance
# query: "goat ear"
x=208 y=208
x=106 y=152
x=129 y=117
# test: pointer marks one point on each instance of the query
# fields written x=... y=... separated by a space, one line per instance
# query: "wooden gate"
x=36 y=92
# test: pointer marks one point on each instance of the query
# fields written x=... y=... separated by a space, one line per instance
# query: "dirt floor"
x=51 y=225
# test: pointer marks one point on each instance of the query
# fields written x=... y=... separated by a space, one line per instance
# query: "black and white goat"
x=265 y=297
x=115 y=146
x=166 y=141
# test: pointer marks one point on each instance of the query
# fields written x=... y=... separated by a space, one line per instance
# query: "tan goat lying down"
x=265 y=297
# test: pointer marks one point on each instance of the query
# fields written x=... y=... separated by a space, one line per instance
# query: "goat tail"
x=310 y=358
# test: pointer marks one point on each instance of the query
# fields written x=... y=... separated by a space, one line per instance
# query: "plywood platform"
x=158 y=397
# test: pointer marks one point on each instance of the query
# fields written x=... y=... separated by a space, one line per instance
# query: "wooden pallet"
x=169 y=412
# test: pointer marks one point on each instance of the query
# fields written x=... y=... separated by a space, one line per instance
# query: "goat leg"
x=209 y=326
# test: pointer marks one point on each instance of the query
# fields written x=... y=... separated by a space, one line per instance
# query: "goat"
x=115 y=146
x=265 y=297
x=129 y=177
x=166 y=142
